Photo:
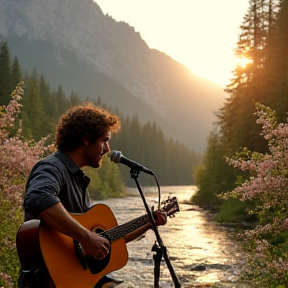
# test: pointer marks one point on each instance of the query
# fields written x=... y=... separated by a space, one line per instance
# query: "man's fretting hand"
x=160 y=217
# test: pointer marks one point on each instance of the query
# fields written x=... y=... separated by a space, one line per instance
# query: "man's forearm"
x=137 y=233
x=59 y=219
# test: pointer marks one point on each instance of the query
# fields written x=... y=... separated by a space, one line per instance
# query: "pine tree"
x=5 y=74
x=16 y=75
x=236 y=118
x=62 y=103
x=33 y=115
x=277 y=66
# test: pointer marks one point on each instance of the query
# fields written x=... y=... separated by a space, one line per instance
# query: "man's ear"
x=85 y=140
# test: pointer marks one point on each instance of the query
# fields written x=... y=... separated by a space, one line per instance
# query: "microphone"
x=117 y=157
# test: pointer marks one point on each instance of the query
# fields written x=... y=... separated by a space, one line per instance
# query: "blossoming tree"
x=267 y=189
x=17 y=156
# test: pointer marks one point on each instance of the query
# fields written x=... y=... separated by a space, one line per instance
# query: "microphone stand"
x=160 y=248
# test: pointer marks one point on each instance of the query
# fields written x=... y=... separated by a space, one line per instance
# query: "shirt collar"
x=69 y=163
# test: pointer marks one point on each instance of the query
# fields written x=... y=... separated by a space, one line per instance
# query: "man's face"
x=94 y=152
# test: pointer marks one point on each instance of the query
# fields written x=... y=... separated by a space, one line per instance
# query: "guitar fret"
x=126 y=228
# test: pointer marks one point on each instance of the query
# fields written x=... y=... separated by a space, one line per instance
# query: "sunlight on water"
x=200 y=250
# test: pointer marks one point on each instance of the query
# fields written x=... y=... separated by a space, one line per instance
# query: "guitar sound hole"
x=98 y=230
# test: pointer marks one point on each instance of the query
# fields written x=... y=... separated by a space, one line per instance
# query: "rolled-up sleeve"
x=44 y=185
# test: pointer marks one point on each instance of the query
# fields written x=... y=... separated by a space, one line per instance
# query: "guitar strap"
x=35 y=278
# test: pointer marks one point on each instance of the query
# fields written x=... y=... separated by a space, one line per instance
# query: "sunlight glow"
x=243 y=62
x=201 y=34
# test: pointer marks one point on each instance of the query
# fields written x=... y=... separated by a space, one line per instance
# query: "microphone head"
x=115 y=156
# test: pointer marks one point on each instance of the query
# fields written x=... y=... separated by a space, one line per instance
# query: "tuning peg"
x=168 y=200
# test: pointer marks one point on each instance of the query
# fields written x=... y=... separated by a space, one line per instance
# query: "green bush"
x=10 y=219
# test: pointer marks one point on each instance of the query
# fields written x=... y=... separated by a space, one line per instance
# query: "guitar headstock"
x=170 y=206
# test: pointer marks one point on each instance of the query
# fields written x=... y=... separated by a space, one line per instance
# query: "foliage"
x=105 y=182
x=233 y=210
x=17 y=156
x=171 y=161
x=5 y=74
x=10 y=218
x=213 y=175
x=266 y=244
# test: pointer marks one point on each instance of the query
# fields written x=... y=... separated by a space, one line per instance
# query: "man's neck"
x=76 y=156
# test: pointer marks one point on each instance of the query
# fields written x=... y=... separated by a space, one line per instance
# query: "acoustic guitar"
x=60 y=259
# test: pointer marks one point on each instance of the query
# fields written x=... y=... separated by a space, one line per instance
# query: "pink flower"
x=17 y=156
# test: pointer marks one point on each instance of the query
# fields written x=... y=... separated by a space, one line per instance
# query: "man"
x=57 y=185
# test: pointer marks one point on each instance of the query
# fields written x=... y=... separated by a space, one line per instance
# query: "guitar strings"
x=119 y=231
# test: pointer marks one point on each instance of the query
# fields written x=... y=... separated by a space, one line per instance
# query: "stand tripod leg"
x=161 y=248
x=157 y=261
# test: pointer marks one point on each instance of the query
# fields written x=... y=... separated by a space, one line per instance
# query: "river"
x=201 y=252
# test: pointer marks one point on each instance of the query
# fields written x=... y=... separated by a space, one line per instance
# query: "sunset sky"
x=201 y=34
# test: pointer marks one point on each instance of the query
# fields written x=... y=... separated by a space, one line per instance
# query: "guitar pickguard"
x=88 y=261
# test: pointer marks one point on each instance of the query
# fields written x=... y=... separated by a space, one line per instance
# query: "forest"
x=243 y=177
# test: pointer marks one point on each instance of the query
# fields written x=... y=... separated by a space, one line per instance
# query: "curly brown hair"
x=85 y=120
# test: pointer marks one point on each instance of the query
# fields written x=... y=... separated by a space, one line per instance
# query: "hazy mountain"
x=73 y=44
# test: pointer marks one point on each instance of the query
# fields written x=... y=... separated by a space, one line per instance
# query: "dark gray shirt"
x=56 y=179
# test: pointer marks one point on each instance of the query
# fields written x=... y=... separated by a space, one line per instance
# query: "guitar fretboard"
x=126 y=228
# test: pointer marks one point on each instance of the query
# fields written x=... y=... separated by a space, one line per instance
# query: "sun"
x=243 y=62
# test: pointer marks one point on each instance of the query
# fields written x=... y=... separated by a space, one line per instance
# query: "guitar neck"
x=120 y=231
x=126 y=228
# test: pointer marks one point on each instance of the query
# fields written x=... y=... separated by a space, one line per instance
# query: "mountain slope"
x=74 y=44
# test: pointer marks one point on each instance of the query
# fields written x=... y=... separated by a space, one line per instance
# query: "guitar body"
x=47 y=254
x=58 y=250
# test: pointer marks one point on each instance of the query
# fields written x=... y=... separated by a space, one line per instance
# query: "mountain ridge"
x=76 y=35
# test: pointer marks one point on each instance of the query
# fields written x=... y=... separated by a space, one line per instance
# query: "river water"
x=201 y=252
